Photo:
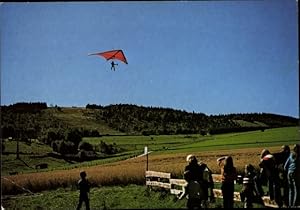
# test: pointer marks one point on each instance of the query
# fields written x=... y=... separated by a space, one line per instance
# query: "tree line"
x=25 y=121
x=133 y=119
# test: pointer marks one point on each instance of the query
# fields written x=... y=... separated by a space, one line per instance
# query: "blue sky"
x=213 y=57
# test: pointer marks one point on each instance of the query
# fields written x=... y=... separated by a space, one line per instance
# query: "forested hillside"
x=36 y=120
x=155 y=120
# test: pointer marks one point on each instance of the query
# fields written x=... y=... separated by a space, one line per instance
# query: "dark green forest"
x=135 y=119
x=38 y=121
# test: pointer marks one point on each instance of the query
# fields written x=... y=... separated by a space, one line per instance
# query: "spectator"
x=84 y=188
x=208 y=185
x=228 y=175
x=296 y=149
x=280 y=158
x=192 y=191
x=269 y=170
x=290 y=168
x=199 y=179
x=251 y=191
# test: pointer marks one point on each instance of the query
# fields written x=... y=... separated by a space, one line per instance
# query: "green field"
x=196 y=142
x=117 y=197
x=160 y=144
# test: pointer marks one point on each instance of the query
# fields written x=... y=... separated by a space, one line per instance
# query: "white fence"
x=164 y=180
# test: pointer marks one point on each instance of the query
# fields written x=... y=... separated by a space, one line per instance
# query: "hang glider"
x=113 y=54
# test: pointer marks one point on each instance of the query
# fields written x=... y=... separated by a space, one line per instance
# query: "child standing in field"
x=84 y=188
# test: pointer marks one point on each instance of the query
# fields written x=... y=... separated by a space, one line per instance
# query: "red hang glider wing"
x=113 y=54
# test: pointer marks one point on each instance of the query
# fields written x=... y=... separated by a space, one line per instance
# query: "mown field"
x=193 y=143
x=168 y=155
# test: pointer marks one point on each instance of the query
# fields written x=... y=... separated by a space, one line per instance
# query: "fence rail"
x=164 y=180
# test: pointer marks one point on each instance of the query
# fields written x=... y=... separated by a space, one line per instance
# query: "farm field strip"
x=185 y=143
x=131 y=171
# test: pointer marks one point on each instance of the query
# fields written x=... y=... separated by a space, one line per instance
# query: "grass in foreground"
x=117 y=197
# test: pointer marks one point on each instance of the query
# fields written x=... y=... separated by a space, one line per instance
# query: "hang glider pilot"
x=113 y=64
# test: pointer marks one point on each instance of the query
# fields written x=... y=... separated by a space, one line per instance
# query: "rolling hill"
x=35 y=120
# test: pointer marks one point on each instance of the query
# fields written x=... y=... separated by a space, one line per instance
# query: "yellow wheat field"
x=127 y=171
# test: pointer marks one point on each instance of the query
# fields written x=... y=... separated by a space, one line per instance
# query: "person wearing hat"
x=194 y=168
x=199 y=178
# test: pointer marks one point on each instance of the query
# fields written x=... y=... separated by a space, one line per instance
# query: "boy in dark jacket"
x=84 y=188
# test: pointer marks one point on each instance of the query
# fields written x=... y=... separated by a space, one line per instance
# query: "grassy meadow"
x=195 y=142
x=116 y=197
x=124 y=174
x=83 y=118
